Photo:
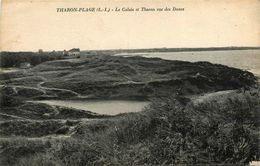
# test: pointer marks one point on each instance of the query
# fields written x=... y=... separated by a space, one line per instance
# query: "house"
x=25 y=65
x=74 y=52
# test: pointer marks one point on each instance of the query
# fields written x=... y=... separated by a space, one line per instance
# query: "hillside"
x=199 y=113
x=123 y=77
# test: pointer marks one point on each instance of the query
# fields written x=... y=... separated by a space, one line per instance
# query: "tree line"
x=14 y=59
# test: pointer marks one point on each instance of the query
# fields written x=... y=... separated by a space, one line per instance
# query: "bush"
x=170 y=131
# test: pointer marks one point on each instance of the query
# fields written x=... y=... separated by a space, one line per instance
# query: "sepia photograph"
x=129 y=83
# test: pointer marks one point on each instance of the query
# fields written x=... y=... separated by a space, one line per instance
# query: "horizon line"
x=114 y=49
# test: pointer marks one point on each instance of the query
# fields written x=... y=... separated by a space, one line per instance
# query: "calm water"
x=243 y=59
x=108 y=107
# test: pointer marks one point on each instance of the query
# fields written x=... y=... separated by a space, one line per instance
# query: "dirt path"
x=25 y=87
x=52 y=136
x=201 y=98
x=43 y=89
x=40 y=86
x=13 y=116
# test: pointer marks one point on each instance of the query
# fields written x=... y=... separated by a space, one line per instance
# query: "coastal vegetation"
x=200 y=113
x=14 y=59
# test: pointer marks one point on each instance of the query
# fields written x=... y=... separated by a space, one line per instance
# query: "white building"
x=74 y=52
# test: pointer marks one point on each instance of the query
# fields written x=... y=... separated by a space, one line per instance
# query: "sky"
x=29 y=25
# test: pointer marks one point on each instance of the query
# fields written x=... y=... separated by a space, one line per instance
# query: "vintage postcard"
x=129 y=82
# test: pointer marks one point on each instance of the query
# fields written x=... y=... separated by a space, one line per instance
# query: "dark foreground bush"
x=167 y=132
x=208 y=132
x=13 y=148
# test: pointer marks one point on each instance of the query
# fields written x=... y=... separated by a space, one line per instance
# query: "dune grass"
x=171 y=130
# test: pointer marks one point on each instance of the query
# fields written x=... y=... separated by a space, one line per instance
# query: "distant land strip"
x=182 y=49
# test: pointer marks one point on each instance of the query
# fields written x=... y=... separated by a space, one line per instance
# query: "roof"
x=74 y=50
